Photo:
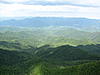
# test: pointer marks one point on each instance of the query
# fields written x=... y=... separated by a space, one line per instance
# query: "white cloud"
x=19 y=10
x=86 y=2
x=83 y=2
x=15 y=1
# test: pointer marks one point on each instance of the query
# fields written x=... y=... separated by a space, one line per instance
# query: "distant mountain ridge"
x=53 y=21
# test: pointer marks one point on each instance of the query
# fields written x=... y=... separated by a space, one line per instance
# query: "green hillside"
x=16 y=63
x=49 y=51
x=54 y=35
x=46 y=60
x=92 y=68
x=94 y=49
x=64 y=53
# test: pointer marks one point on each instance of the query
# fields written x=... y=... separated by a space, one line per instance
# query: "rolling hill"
x=64 y=53
x=55 y=35
x=50 y=46
x=46 y=60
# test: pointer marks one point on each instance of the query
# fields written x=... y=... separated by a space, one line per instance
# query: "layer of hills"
x=50 y=46
x=55 y=35
x=47 y=60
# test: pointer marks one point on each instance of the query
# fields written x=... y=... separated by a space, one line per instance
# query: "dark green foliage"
x=94 y=49
x=5 y=44
x=92 y=68
x=64 y=53
x=54 y=61
x=16 y=63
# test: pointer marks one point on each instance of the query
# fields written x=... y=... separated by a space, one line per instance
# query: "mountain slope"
x=16 y=63
x=48 y=60
x=64 y=53
x=91 y=68
x=55 y=35
x=94 y=49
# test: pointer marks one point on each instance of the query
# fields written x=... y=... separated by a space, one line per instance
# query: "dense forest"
x=48 y=51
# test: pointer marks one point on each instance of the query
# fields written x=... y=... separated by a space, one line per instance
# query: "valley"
x=50 y=49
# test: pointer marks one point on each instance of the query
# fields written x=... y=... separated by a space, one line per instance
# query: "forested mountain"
x=55 y=35
x=16 y=63
x=64 y=53
x=49 y=61
x=12 y=45
x=94 y=49
x=50 y=46
x=92 y=68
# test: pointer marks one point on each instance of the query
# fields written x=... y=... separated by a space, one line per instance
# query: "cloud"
x=51 y=8
x=22 y=10
x=82 y=3
x=14 y=1
x=31 y=10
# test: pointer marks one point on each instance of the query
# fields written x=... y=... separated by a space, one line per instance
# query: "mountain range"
x=50 y=46
x=48 y=60
x=83 y=23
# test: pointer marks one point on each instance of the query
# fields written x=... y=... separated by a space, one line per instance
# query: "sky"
x=50 y=8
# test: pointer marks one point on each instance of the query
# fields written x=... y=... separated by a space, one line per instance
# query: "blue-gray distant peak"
x=52 y=21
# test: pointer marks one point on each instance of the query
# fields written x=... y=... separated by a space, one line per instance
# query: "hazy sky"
x=51 y=8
